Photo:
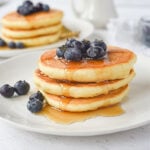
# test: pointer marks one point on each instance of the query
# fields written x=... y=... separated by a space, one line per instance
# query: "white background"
x=136 y=139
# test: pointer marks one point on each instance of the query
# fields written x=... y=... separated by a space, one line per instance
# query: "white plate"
x=85 y=28
x=137 y=105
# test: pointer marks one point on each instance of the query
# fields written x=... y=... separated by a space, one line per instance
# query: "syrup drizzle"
x=64 y=117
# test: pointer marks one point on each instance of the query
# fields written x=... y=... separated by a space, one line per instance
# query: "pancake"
x=78 y=90
x=86 y=104
x=35 y=41
x=21 y=34
x=116 y=65
x=67 y=33
x=14 y=20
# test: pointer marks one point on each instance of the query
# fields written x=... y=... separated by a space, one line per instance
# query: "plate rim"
x=77 y=133
x=66 y=132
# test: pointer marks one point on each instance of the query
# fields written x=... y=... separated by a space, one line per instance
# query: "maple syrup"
x=64 y=117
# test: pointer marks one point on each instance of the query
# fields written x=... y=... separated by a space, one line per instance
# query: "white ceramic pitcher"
x=96 y=11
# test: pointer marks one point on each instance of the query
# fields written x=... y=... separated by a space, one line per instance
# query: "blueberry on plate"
x=73 y=54
x=21 y=87
x=95 y=52
x=11 y=44
x=19 y=45
x=99 y=43
x=38 y=95
x=7 y=91
x=2 y=42
x=34 y=105
x=45 y=7
x=60 y=51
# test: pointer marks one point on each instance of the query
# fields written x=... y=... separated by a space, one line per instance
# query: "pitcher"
x=97 y=12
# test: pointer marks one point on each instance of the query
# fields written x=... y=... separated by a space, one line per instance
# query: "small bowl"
x=144 y=26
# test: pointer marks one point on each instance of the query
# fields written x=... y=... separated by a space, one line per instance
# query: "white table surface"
x=16 y=139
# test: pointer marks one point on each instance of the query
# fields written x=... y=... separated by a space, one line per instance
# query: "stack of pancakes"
x=87 y=84
x=33 y=30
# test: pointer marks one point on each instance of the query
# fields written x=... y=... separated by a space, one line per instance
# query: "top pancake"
x=14 y=20
x=116 y=65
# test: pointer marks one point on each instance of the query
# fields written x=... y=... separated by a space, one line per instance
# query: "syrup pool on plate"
x=64 y=117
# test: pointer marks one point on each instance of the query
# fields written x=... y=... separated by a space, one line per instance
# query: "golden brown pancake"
x=22 y=34
x=14 y=20
x=76 y=89
x=86 y=104
x=35 y=41
x=116 y=65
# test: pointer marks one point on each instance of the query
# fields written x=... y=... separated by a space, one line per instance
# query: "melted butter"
x=64 y=117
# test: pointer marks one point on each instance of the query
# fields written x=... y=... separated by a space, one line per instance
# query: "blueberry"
x=23 y=10
x=30 y=9
x=19 y=9
x=77 y=44
x=21 y=87
x=19 y=45
x=34 y=105
x=96 y=52
x=74 y=43
x=73 y=54
x=99 y=43
x=92 y=52
x=69 y=42
x=2 y=42
x=38 y=95
x=85 y=45
x=7 y=91
x=39 y=7
x=45 y=7
x=26 y=9
x=102 y=52
x=12 y=44
x=27 y=3
x=60 y=51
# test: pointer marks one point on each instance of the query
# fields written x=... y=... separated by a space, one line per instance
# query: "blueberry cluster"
x=20 y=87
x=35 y=102
x=75 y=50
x=15 y=45
x=28 y=8
x=11 y=44
x=2 y=42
